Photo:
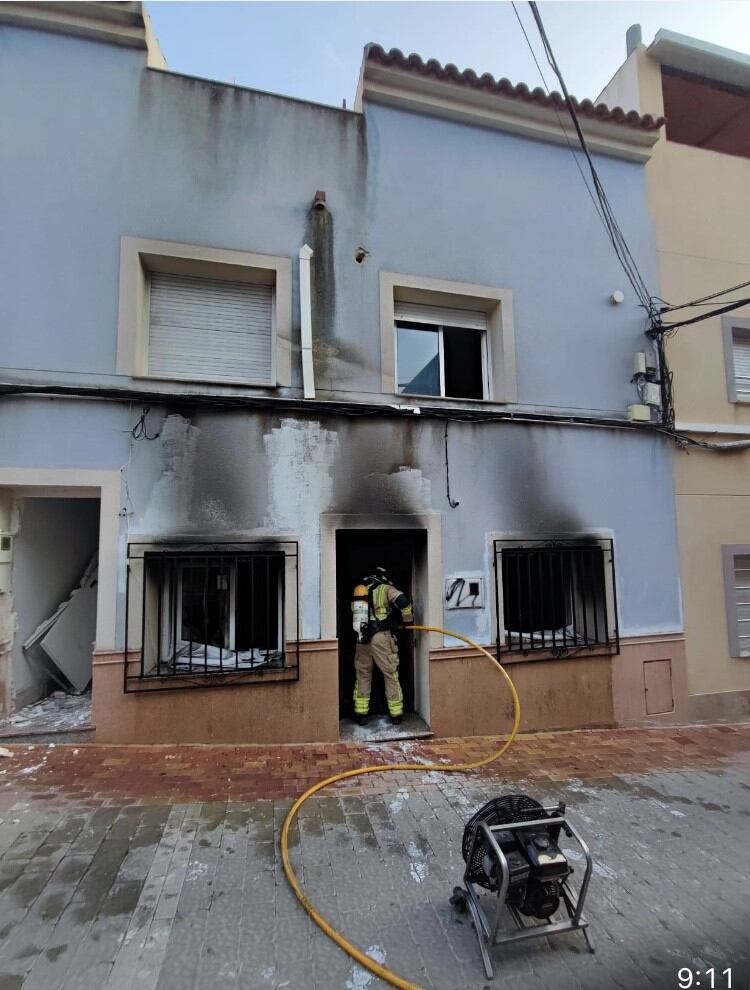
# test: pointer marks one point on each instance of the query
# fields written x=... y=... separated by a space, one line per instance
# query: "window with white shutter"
x=206 y=329
x=440 y=351
x=741 y=362
x=737 y=588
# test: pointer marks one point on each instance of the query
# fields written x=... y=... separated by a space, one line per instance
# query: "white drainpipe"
x=305 y=321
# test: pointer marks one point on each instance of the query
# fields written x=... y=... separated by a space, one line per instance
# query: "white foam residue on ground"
x=360 y=979
x=196 y=871
x=397 y=804
x=418 y=872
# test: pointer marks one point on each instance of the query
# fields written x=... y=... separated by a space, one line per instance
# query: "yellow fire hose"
x=360 y=957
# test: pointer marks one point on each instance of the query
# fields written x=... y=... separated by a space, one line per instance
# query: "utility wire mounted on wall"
x=451 y=501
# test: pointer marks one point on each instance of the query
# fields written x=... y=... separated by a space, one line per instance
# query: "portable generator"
x=511 y=848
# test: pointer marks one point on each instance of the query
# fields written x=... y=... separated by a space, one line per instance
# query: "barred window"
x=211 y=612
x=557 y=596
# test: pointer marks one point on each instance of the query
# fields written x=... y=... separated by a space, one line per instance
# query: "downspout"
x=305 y=321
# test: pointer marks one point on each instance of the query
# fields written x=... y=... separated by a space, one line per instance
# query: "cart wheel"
x=458 y=900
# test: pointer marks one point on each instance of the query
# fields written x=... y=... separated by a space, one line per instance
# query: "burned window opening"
x=210 y=615
x=556 y=596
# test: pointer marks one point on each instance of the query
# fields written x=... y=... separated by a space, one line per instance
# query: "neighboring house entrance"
x=358 y=552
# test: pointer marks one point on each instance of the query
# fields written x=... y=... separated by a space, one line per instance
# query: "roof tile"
x=504 y=87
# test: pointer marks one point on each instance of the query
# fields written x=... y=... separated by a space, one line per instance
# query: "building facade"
x=254 y=347
x=699 y=190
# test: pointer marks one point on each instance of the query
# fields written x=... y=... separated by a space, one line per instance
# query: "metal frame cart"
x=488 y=934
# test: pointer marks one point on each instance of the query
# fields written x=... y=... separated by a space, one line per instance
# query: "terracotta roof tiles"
x=504 y=87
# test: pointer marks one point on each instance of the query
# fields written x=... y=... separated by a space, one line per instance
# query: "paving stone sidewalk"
x=135 y=867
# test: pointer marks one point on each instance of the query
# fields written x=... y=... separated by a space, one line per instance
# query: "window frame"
x=154 y=598
x=730 y=551
x=513 y=540
x=439 y=328
x=731 y=327
x=497 y=303
x=140 y=257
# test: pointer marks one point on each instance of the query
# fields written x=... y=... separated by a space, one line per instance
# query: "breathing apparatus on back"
x=363 y=618
x=361 y=613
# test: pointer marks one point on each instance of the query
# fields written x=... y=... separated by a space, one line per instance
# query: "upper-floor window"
x=446 y=339
x=198 y=314
x=202 y=328
x=737 y=357
x=441 y=351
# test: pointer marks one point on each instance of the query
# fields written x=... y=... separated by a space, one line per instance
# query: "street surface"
x=158 y=867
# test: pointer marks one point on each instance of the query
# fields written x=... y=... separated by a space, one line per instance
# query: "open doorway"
x=358 y=552
x=54 y=600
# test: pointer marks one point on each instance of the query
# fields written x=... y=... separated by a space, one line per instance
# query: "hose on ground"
x=357 y=954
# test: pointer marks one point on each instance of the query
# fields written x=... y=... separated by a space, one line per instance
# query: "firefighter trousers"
x=383 y=651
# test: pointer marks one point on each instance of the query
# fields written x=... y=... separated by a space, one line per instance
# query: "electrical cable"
x=703 y=300
x=669 y=328
x=617 y=238
x=451 y=501
x=559 y=118
x=140 y=430
x=357 y=954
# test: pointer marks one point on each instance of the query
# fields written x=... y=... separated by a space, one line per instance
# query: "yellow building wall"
x=700 y=202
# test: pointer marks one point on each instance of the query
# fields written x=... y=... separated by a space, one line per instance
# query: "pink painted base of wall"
x=300 y=711
x=628 y=680
x=469 y=698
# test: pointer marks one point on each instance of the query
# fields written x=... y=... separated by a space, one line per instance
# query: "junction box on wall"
x=464 y=590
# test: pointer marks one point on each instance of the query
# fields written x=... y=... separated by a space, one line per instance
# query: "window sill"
x=508 y=659
x=135 y=684
x=180 y=380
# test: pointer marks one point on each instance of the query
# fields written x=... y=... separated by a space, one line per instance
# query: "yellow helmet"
x=360 y=592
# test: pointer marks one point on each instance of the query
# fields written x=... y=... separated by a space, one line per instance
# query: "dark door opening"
x=358 y=552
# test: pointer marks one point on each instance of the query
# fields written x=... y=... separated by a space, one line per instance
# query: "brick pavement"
x=130 y=867
x=143 y=774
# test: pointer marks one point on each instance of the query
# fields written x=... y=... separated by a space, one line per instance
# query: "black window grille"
x=210 y=614
x=557 y=596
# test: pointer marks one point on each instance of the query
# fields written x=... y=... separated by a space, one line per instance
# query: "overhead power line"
x=616 y=236
x=559 y=118
x=705 y=300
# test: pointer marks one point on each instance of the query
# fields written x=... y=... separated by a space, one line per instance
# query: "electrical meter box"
x=464 y=590
x=652 y=394
x=6 y=559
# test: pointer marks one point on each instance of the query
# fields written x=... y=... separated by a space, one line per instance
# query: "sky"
x=313 y=50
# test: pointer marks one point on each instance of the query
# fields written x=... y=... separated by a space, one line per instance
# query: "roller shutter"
x=444 y=316
x=742 y=602
x=741 y=350
x=208 y=329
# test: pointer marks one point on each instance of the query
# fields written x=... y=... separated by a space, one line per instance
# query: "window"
x=441 y=351
x=737 y=590
x=737 y=355
x=199 y=314
x=556 y=595
x=202 y=328
x=208 y=610
x=446 y=339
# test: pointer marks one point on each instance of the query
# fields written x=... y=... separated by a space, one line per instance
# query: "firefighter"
x=377 y=609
